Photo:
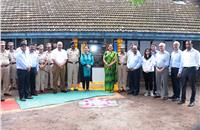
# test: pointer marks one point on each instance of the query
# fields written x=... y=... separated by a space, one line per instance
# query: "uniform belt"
x=5 y=65
x=13 y=63
x=73 y=62
x=50 y=64
x=122 y=64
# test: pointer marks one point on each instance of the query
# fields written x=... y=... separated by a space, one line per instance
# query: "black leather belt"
x=13 y=63
x=73 y=62
x=4 y=65
x=122 y=64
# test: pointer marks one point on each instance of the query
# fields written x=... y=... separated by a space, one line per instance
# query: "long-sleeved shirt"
x=162 y=59
x=87 y=59
x=175 y=60
x=22 y=60
x=33 y=58
x=189 y=59
x=148 y=64
x=134 y=61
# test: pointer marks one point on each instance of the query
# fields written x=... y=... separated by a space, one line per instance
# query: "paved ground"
x=133 y=113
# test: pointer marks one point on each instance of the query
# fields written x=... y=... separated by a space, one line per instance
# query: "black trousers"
x=148 y=79
x=23 y=83
x=175 y=82
x=32 y=80
x=154 y=81
x=134 y=81
x=188 y=74
x=86 y=81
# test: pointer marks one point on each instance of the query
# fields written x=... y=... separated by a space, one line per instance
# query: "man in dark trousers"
x=34 y=62
x=188 y=71
x=23 y=68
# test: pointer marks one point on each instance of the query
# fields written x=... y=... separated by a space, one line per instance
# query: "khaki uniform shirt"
x=73 y=55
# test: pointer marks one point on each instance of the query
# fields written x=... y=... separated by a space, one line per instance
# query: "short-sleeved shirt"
x=73 y=55
x=5 y=56
x=59 y=56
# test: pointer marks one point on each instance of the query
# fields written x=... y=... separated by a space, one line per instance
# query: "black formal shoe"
x=22 y=99
x=63 y=91
x=130 y=92
x=157 y=96
x=34 y=94
x=7 y=94
x=191 y=104
x=75 y=89
x=172 y=97
x=165 y=98
x=29 y=97
x=181 y=102
x=2 y=99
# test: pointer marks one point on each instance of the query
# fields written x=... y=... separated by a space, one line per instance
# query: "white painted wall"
x=98 y=74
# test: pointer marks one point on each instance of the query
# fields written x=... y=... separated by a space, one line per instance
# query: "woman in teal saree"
x=110 y=67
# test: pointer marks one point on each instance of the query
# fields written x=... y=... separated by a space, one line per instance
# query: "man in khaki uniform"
x=40 y=78
x=5 y=71
x=13 y=70
x=59 y=57
x=122 y=70
x=49 y=74
x=73 y=66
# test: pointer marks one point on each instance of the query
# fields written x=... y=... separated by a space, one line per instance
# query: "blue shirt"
x=134 y=61
x=22 y=60
x=87 y=59
x=34 y=61
x=175 y=60
x=162 y=59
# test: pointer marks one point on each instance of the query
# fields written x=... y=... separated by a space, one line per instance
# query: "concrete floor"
x=133 y=113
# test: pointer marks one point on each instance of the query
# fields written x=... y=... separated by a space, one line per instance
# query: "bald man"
x=59 y=57
x=5 y=71
x=175 y=62
x=162 y=64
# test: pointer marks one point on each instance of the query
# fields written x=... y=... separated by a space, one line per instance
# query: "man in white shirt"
x=162 y=63
x=73 y=66
x=175 y=66
x=188 y=71
x=153 y=53
x=33 y=58
x=23 y=69
x=134 y=63
x=59 y=57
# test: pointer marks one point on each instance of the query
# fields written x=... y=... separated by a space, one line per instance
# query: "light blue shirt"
x=22 y=60
x=162 y=59
x=134 y=61
x=34 y=61
x=175 y=60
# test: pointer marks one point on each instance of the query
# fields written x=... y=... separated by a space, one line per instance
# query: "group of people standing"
x=156 y=66
x=37 y=70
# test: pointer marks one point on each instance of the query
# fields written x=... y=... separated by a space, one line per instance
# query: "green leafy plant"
x=137 y=2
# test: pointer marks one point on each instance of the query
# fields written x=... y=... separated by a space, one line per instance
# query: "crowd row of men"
x=36 y=70
x=156 y=65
